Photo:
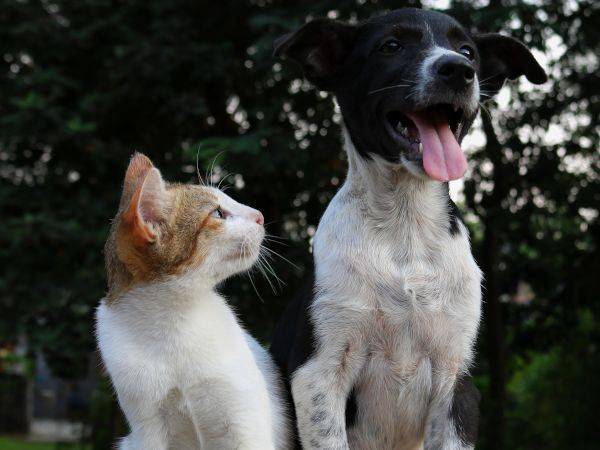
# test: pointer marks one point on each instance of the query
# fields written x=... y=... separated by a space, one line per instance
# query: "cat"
x=186 y=374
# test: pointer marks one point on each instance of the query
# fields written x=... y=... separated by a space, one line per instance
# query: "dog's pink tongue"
x=443 y=159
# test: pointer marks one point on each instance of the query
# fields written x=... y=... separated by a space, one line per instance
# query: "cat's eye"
x=467 y=51
x=390 y=46
x=217 y=213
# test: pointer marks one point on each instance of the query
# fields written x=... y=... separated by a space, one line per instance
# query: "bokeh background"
x=85 y=83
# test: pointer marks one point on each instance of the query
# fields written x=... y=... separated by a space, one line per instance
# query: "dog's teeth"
x=420 y=147
x=402 y=130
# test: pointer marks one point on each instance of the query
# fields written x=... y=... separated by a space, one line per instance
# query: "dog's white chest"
x=407 y=303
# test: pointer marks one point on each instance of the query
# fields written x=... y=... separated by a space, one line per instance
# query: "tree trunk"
x=492 y=308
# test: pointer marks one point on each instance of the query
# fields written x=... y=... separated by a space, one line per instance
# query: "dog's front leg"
x=454 y=422
x=320 y=389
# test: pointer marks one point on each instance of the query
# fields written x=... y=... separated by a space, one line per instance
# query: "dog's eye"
x=390 y=46
x=217 y=213
x=467 y=51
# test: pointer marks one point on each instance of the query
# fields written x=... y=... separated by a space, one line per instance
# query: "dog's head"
x=409 y=82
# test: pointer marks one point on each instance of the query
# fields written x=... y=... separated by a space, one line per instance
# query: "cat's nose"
x=257 y=217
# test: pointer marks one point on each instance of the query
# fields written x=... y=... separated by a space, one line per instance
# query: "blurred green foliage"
x=7 y=443
x=85 y=83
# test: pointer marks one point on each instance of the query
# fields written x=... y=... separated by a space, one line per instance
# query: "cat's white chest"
x=185 y=367
x=187 y=339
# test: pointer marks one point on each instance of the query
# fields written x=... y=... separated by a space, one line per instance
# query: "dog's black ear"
x=504 y=57
x=320 y=47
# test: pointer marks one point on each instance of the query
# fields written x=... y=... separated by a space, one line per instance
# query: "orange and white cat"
x=186 y=373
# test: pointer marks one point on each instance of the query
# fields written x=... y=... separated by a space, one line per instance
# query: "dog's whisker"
x=411 y=94
x=388 y=88
x=484 y=108
x=489 y=78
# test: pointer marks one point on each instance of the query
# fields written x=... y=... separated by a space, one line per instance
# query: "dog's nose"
x=455 y=71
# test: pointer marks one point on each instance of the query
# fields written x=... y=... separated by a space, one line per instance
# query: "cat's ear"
x=138 y=168
x=145 y=196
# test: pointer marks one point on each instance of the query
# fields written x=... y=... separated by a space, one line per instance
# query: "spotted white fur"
x=395 y=314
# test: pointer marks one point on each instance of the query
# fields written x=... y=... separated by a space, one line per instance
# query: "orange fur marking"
x=138 y=168
x=140 y=230
x=137 y=251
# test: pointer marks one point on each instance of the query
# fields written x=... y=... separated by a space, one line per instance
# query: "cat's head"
x=166 y=229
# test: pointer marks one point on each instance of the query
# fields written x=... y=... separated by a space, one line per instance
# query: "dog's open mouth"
x=432 y=133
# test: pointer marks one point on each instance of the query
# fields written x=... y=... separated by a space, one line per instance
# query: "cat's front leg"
x=141 y=390
x=148 y=430
x=320 y=389
x=229 y=416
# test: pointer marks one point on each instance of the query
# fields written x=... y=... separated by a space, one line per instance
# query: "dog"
x=377 y=351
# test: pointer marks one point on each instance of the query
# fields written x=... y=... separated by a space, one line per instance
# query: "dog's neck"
x=393 y=196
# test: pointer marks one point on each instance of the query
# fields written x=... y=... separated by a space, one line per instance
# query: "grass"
x=13 y=443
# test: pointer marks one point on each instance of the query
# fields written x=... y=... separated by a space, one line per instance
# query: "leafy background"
x=85 y=83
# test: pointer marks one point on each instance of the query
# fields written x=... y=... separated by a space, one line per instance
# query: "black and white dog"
x=377 y=353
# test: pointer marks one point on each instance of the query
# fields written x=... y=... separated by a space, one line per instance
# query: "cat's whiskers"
x=262 y=258
x=223 y=178
x=244 y=248
x=200 y=180
x=210 y=170
x=264 y=272
x=275 y=238
x=273 y=252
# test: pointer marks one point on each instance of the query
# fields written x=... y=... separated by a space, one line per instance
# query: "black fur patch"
x=319 y=416
x=318 y=399
x=293 y=342
x=454 y=215
x=351 y=410
x=465 y=410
